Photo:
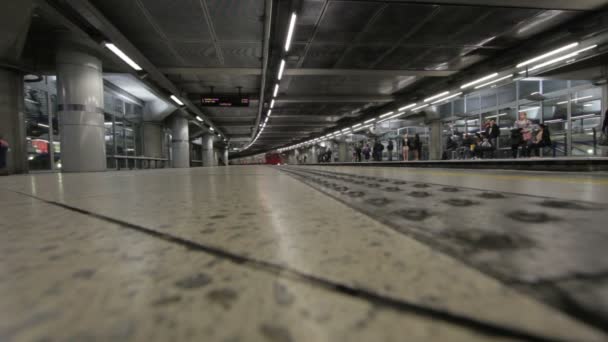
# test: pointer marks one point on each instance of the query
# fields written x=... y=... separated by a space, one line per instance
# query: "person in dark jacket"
x=390 y=147
x=358 y=151
x=377 y=153
x=417 y=147
x=517 y=139
x=3 y=153
x=541 y=138
x=493 y=132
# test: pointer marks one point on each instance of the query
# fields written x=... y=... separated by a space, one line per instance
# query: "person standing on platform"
x=390 y=147
x=405 y=147
x=3 y=156
x=416 y=146
x=358 y=151
x=493 y=132
x=366 y=152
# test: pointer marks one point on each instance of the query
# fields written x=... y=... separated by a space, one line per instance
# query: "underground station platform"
x=304 y=253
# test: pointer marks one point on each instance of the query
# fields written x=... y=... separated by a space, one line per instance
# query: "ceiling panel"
x=343 y=20
x=237 y=19
x=242 y=55
x=394 y=22
x=323 y=55
x=197 y=54
x=179 y=19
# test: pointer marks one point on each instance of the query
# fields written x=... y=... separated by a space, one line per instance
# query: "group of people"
x=525 y=136
x=363 y=150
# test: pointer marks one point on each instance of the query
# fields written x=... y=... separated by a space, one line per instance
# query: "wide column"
x=153 y=139
x=226 y=156
x=208 y=152
x=313 y=155
x=343 y=152
x=12 y=120
x=435 y=146
x=80 y=106
x=180 y=145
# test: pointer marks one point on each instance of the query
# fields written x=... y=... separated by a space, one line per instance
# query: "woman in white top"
x=525 y=125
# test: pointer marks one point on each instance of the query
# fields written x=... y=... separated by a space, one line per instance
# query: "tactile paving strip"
x=520 y=239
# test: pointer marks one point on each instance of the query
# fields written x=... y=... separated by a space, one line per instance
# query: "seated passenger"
x=541 y=139
x=516 y=141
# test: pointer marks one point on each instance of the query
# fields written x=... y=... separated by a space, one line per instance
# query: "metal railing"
x=138 y=162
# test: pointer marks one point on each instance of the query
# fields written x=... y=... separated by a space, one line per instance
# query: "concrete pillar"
x=12 y=120
x=343 y=152
x=313 y=155
x=80 y=106
x=153 y=139
x=207 y=147
x=435 y=146
x=226 y=156
x=180 y=145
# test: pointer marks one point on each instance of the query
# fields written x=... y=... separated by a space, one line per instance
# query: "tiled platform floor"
x=250 y=254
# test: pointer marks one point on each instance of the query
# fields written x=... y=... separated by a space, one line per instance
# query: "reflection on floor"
x=261 y=253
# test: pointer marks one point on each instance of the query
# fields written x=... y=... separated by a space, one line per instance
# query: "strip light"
x=272 y=104
x=386 y=114
x=577 y=99
x=281 y=69
x=199 y=119
x=362 y=128
x=368 y=121
x=211 y=129
x=495 y=81
x=118 y=52
x=269 y=112
x=417 y=108
x=485 y=78
x=276 y=90
x=447 y=98
x=345 y=130
x=357 y=125
x=407 y=107
x=292 y=25
x=176 y=100
x=559 y=59
x=436 y=97
x=548 y=54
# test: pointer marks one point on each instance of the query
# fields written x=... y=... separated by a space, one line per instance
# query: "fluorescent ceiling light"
x=281 y=69
x=292 y=25
x=42 y=125
x=345 y=130
x=447 y=98
x=118 y=52
x=176 y=100
x=211 y=129
x=577 y=99
x=417 y=108
x=548 y=54
x=397 y=115
x=269 y=112
x=368 y=121
x=357 y=125
x=362 y=128
x=436 y=96
x=407 y=107
x=495 y=81
x=559 y=59
x=276 y=90
x=386 y=114
x=485 y=78
x=199 y=119
x=272 y=104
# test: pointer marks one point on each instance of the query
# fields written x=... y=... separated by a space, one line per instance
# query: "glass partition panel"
x=37 y=129
x=527 y=88
x=555 y=116
x=507 y=93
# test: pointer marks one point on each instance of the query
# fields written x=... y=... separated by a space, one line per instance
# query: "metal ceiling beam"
x=571 y=5
x=93 y=17
x=335 y=99
x=304 y=72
